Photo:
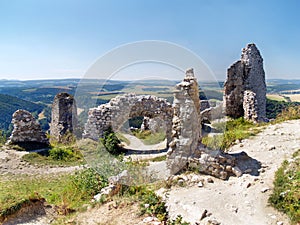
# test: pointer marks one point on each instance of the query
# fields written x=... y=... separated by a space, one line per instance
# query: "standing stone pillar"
x=64 y=116
x=247 y=74
x=186 y=128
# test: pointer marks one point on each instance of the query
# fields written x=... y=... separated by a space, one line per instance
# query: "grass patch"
x=234 y=130
x=150 y=203
x=122 y=138
x=149 y=138
x=291 y=113
x=159 y=158
x=59 y=155
x=275 y=97
x=64 y=191
x=286 y=193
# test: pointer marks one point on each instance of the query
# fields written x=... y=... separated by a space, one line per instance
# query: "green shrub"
x=150 y=203
x=89 y=181
x=286 y=193
x=64 y=153
x=59 y=153
x=111 y=142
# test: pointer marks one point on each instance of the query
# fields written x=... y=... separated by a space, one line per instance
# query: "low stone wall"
x=215 y=163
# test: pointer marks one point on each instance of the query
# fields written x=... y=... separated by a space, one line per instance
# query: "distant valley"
x=36 y=96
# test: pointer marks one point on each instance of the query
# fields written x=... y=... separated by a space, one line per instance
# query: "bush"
x=150 y=203
x=63 y=153
x=89 y=181
x=286 y=193
x=111 y=142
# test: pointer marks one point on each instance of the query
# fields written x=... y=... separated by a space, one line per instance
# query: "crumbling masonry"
x=64 y=116
x=245 y=76
x=186 y=128
x=27 y=130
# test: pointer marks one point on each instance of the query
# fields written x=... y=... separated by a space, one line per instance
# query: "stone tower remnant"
x=247 y=74
x=27 y=131
x=186 y=128
x=64 y=116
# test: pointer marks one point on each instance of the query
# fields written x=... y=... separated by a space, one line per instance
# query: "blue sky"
x=62 y=38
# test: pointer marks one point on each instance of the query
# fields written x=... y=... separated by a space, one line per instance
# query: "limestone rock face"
x=64 y=116
x=26 y=130
x=121 y=108
x=186 y=128
x=245 y=74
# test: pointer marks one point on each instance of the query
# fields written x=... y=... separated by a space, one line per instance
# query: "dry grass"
x=275 y=97
x=294 y=98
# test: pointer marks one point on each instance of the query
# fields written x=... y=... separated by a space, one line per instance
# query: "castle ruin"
x=64 y=116
x=244 y=76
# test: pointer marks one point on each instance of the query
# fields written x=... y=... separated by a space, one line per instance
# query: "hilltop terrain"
x=242 y=200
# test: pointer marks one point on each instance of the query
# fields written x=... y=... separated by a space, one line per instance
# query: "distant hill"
x=9 y=104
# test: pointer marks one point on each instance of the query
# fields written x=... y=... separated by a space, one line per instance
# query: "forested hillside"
x=9 y=104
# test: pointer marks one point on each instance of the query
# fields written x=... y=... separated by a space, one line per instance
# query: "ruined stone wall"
x=116 y=112
x=186 y=128
x=245 y=74
x=26 y=129
x=64 y=116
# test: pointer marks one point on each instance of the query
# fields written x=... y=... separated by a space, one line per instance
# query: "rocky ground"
x=237 y=201
x=242 y=200
x=11 y=163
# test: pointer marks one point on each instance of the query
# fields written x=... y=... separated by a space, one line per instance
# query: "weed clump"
x=111 y=142
x=286 y=193
x=233 y=130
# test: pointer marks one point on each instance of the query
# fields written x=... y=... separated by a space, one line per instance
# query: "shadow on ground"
x=247 y=164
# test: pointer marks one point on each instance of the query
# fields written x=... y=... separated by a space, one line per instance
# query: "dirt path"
x=11 y=163
x=139 y=151
x=241 y=201
x=137 y=144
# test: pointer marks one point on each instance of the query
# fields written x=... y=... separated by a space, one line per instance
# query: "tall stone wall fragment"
x=186 y=128
x=64 y=116
x=245 y=74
